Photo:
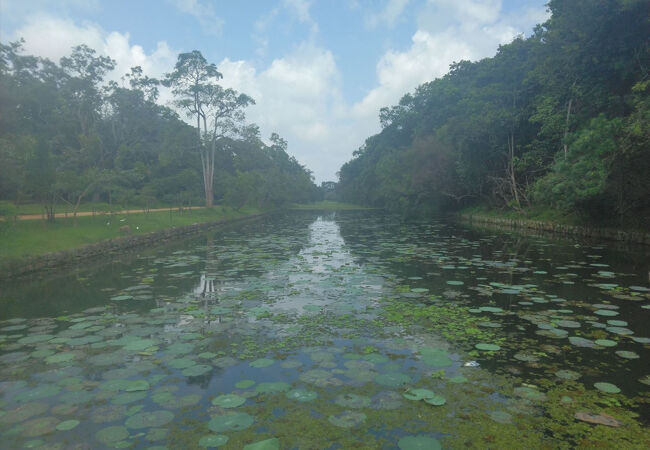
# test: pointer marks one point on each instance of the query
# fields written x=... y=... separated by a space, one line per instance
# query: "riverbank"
x=553 y=224
x=30 y=246
x=327 y=205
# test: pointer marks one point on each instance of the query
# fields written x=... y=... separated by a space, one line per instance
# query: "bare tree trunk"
x=566 y=126
x=511 y=169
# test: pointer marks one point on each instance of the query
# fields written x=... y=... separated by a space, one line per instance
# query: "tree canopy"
x=559 y=118
x=69 y=135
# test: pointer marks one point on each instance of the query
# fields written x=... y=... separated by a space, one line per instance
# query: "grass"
x=36 y=237
x=327 y=205
x=540 y=213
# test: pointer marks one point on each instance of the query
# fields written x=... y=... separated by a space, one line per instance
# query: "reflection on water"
x=346 y=330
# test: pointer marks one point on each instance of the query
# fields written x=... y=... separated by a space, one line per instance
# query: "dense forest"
x=558 y=120
x=69 y=135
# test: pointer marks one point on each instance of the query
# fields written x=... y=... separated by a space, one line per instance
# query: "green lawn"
x=327 y=205
x=36 y=237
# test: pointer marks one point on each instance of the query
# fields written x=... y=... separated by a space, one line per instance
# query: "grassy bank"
x=327 y=206
x=532 y=213
x=36 y=237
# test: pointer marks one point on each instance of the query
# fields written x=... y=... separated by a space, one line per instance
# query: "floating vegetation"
x=351 y=330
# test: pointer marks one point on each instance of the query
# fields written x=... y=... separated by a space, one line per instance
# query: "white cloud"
x=53 y=37
x=300 y=9
x=299 y=97
x=448 y=31
x=389 y=14
x=204 y=13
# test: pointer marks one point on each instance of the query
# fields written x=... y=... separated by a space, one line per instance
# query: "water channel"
x=331 y=330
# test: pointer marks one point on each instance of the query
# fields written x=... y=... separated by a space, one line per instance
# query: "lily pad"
x=352 y=401
x=231 y=422
x=605 y=342
x=261 y=363
x=599 y=419
x=420 y=442
x=111 y=435
x=229 y=401
x=302 y=395
x=436 y=400
x=393 y=379
x=607 y=387
x=627 y=354
x=197 y=370
x=149 y=419
x=213 y=440
x=266 y=444
x=418 y=394
x=347 y=419
x=487 y=347
x=566 y=374
x=268 y=387
x=67 y=425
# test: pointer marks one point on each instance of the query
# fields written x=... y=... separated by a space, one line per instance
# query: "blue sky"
x=319 y=70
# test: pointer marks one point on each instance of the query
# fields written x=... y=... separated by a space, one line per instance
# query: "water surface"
x=333 y=330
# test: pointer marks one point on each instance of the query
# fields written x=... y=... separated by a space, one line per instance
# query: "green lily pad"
x=229 y=401
x=392 y=379
x=197 y=370
x=60 y=357
x=418 y=394
x=67 y=425
x=347 y=419
x=38 y=392
x=605 y=342
x=566 y=374
x=487 y=347
x=213 y=440
x=39 y=426
x=627 y=354
x=244 y=384
x=607 y=387
x=231 y=422
x=111 y=435
x=606 y=312
x=302 y=395
x=149 y=419
x=352 y=401
x=261 y=363
x=420 y=442
x=266 y=444
x=530 y=393
x=181 y=363
x=436 y=400
x=268 y=387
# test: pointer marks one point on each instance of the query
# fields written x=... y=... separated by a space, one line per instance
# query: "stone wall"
x=610 y=234
x=27 y=265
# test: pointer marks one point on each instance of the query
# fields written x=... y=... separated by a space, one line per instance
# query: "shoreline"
x=30 y=264
x=547 y=227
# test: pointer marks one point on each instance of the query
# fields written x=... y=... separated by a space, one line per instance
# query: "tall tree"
x=217 y=110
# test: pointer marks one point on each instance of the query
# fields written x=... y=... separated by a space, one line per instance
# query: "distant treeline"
x=560 y=119
x=68 y=135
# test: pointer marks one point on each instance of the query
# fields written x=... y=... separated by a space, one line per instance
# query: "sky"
x=319 y=70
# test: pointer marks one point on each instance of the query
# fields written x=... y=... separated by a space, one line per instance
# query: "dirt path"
x=99 y=213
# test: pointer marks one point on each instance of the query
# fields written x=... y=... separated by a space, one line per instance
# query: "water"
x=333 y=330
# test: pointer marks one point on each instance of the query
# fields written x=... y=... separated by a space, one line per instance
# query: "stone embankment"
x=30 y=264
x=610 y=234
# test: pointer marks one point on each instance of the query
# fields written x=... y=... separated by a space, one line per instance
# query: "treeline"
x=67 y=135
x=559 y=119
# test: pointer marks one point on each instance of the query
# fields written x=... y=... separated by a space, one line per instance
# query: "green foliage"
x=579 y=177
x=496 y=131
x=68 y=137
